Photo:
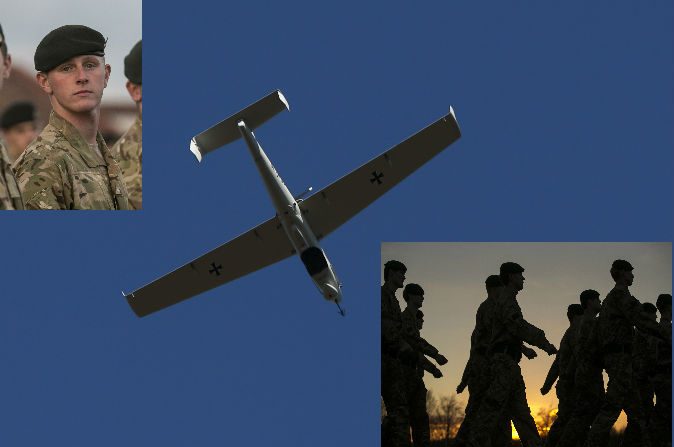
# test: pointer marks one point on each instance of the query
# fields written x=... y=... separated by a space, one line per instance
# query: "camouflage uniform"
x=128 y=151
x=643 y=365
x=60 y=171
x=507 y=393
x=588 y=393
x=661 y=418
x=414 y=383
x=10 y=196
x=392 y=378
x=620 y=311
x=563 y=367
x=477 y=375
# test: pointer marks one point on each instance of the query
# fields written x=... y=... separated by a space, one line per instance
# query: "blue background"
x=566 y=113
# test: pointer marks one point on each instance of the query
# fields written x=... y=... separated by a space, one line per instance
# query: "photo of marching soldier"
x=63 y=146
x=514 y=320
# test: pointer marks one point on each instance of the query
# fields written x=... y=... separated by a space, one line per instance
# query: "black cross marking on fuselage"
x=376 y=177
x=215 y=269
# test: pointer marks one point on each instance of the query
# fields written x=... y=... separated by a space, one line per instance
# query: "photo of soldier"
x=19 y=128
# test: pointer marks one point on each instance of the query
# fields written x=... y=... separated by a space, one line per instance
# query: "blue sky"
x=566 y=113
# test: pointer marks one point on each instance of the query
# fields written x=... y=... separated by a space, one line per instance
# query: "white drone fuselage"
x=297 y=229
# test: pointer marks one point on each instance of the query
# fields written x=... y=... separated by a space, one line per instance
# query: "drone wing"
x=257 y=248
x=331 y=207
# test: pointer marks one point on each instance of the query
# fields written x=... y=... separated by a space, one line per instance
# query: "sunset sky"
x=453 y=274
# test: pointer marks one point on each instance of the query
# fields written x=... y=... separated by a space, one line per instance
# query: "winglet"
x=194 y=148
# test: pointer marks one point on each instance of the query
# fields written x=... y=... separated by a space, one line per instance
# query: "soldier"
x=476 y=373
x=563 y=367
x=10 y=196
x=588 y=391
x=620 y=312
x=661 y=417
x=129 y=148
x=394 y=351
x=18 y=128
x=643 y=365
x=507 y=393
x=69 y=165
x=415 y=387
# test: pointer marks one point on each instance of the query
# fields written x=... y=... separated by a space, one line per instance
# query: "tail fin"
x=227 y=130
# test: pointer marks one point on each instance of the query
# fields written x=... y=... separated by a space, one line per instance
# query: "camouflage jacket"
x=59 y=170
x=509 y=328
x=391 y=324
x=413 y=335
x=663 y=349
x=10 y=196
x=128 y=151
x=480 y=338
x=564 y=365
x=643 y=355
x=620 y=312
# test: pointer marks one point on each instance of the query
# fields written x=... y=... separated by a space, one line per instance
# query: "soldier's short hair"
x=620 y=265
x=507 y=268
x=3 y=44
x=493 y=281
x=393 y=265
x=664 y=300
x=574 y=310
x=649 y=308
x=413 y=289
x=587 y=295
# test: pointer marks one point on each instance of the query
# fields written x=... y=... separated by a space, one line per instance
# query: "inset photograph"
x=556 y=344
x=70 y=131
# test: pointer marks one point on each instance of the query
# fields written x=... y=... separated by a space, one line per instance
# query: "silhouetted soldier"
x=506 y=393
x=661 y=418
x=588 y=393
x=620 y=311
x=564 y=368
x=643 y=368
x=394 y=351
x=476 y=374
x=415 y=388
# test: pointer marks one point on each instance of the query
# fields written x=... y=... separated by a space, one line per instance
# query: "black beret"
x=66 y=42
x=18 y=112
x=2 y=35
x=587 y=295
x=133 y=64
x=493 y=281
x=510 y=267
x=621 y=264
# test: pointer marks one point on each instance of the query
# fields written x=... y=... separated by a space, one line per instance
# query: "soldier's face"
x=415 y=300
x=397 y=277
x=18 y=137
x=629 y=277
x=517 y=280
x=594 y=305
x=5 y=68
x=77 y=84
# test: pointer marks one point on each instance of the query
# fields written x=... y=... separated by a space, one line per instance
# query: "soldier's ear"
x=43 y=82
x=7 y=62
x=108 y=70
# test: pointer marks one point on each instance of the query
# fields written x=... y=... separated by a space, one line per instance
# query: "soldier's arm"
x=551 y=377
x=42 y=185
x=528 y=352
x=631 y=309
x=525 y=331
x=427 y=365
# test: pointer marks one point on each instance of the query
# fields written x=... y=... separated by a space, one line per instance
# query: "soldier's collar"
x=76 y=140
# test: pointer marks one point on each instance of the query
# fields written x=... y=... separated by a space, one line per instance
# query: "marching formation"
x=68 y=164
x=620 y=336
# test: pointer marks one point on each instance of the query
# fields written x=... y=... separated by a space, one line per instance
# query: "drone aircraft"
x=299 y=224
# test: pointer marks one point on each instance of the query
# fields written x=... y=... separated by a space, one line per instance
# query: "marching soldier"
x=69 y=165
x=394 y=351
x=10 y=196
x=620 y=312
x=564 y=368
x=129 y=148
x=507 y=392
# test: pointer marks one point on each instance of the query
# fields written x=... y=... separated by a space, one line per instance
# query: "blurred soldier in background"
x=661 y=417
x=129 y=148
x=10 y=197
x=588 y=390
x=507 y=393
x=620 y=312
x=643 y=368
x=394 y=351
x=476 y=374
x=18 y=128
x=563 y=367
x=414 y=385
x=69 y=165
